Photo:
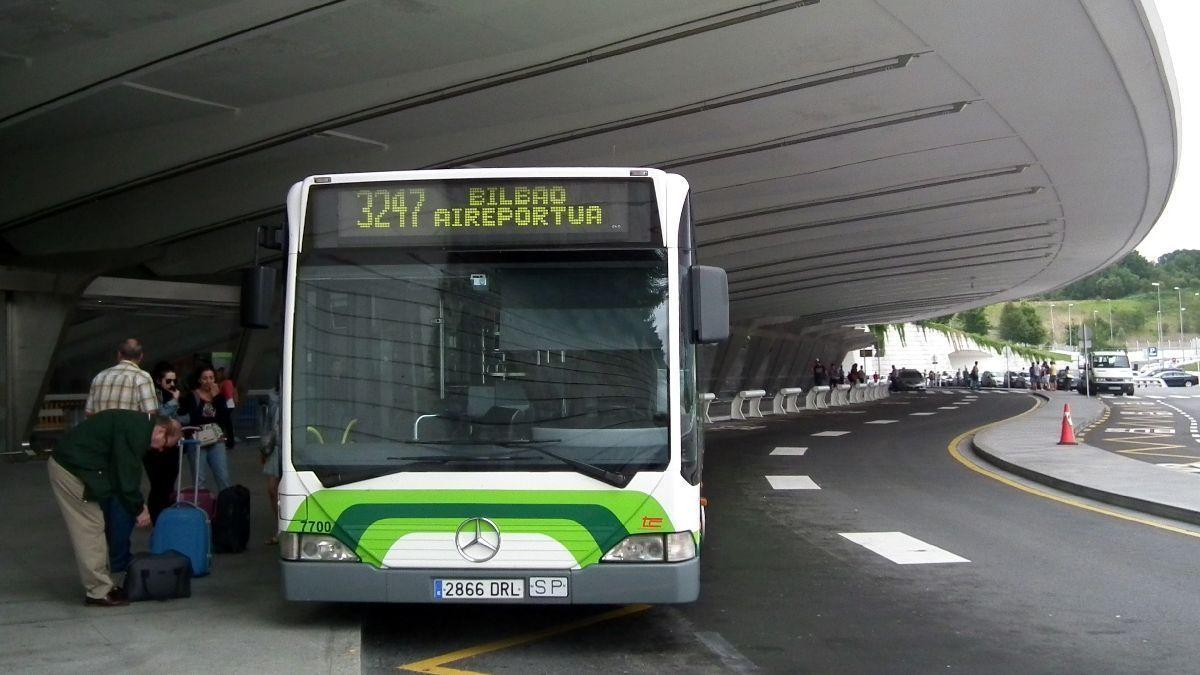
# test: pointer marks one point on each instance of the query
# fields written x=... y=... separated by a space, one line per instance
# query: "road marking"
x=922 y=414
x=1156 y=431
x=902 y=549
x=730 y=657
x=1157 y=398
x=792 y=483
x=882 y=422
x=437 y=664
x=957 y=455
x=948 y=407
x=789 y=451
x=1194 y=467
x=831 y=433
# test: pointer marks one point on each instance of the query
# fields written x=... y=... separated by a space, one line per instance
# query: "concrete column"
x=34 y=325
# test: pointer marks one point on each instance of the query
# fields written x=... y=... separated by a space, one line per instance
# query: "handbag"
x=209 y=434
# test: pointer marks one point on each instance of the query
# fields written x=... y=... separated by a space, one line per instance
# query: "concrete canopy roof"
x=852 y=161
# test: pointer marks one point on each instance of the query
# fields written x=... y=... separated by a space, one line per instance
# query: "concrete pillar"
x=34 y=325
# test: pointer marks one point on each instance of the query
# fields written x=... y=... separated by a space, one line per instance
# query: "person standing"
x=272 y=458
x=124 y=386
x=975 y=376
x=205 y=405
x=100 y=460
x=162 y=468
x=819 y=377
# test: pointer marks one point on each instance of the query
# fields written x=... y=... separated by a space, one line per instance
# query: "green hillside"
x=1134 y=319
x=1131 y=317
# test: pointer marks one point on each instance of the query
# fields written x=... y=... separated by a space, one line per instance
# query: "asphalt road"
x=1039 y=585
x=1158 y=425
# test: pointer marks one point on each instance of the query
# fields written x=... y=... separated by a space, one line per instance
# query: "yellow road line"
x=954 y=452
x=437 y=664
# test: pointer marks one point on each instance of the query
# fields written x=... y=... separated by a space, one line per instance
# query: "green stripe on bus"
x=586 y=523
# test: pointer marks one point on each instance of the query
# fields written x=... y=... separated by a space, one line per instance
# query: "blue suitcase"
x=184 y=527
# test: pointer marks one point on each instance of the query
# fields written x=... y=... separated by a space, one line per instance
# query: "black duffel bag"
x=158 y=576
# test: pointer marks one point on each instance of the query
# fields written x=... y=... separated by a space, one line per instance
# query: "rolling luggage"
x=158 y=576
x=202 y=498
x=231 y=527
x=184 y=526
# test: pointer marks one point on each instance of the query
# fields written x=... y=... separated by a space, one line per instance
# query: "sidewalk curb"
x=1115 y=499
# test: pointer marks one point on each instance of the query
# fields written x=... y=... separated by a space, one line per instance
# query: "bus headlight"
x=680 y=546
x=673 y=547
x=314 y=547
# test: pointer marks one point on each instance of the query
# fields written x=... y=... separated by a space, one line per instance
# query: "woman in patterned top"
x=204 y=404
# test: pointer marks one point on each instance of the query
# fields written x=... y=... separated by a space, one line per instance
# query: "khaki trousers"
x=85 y=525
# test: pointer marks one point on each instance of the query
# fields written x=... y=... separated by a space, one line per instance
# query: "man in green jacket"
x=99 y=459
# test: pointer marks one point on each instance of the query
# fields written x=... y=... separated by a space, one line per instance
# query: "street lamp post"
x=1095 y=321
x=1179 y=293
x=1069 y=341
x=1158 y=287
x=1052 y=325
x=1110 y=327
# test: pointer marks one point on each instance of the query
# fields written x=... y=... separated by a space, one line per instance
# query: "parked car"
x=946 y=379
x=908 y=379
x=987 y=379
x=1016 y=380
x=1178 y=378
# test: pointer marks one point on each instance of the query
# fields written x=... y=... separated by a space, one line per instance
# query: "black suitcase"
x=231 y=524
x=158 y=576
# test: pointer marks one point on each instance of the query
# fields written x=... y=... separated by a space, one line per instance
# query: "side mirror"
x=710 y=304
x=258 y=296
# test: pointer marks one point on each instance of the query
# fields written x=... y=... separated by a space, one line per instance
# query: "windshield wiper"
x=614 y=478
x=469 y=441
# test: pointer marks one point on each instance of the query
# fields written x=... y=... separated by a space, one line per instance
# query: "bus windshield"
x=425 y=360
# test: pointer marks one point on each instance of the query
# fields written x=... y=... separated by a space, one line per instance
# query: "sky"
x=1178 y=226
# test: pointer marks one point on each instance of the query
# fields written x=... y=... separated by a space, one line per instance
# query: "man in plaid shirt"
x=125 y=386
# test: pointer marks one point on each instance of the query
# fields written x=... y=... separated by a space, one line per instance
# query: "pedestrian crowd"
x=135 y=421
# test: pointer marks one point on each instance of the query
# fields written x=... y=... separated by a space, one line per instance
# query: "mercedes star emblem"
x=477 y=539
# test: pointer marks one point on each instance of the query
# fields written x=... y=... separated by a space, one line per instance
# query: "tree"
x=975 y=321
x=1020 y=323
x=1035 y=332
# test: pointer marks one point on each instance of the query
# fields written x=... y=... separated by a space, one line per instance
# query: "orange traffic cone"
x=1068 y=431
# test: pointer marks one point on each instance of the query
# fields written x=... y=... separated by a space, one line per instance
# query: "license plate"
x=548 y=587
x=479 y=589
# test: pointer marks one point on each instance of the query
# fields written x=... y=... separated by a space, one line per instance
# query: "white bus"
x=488 y=387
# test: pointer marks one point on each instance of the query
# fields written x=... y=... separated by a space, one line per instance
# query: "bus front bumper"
x=601 y=583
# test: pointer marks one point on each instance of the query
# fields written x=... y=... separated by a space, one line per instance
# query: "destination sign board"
x=487 y=212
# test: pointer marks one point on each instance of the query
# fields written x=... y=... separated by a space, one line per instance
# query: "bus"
x=488 y=388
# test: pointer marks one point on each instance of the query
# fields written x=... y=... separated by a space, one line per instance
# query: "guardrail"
x=784 y=401
x=752 y=397
x=706 y=400
x=817 y=398
x=1144 y=382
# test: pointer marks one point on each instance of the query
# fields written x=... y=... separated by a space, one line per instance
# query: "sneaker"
x=115 y=598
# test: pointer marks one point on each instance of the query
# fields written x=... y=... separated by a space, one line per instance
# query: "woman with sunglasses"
x=163 y=467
